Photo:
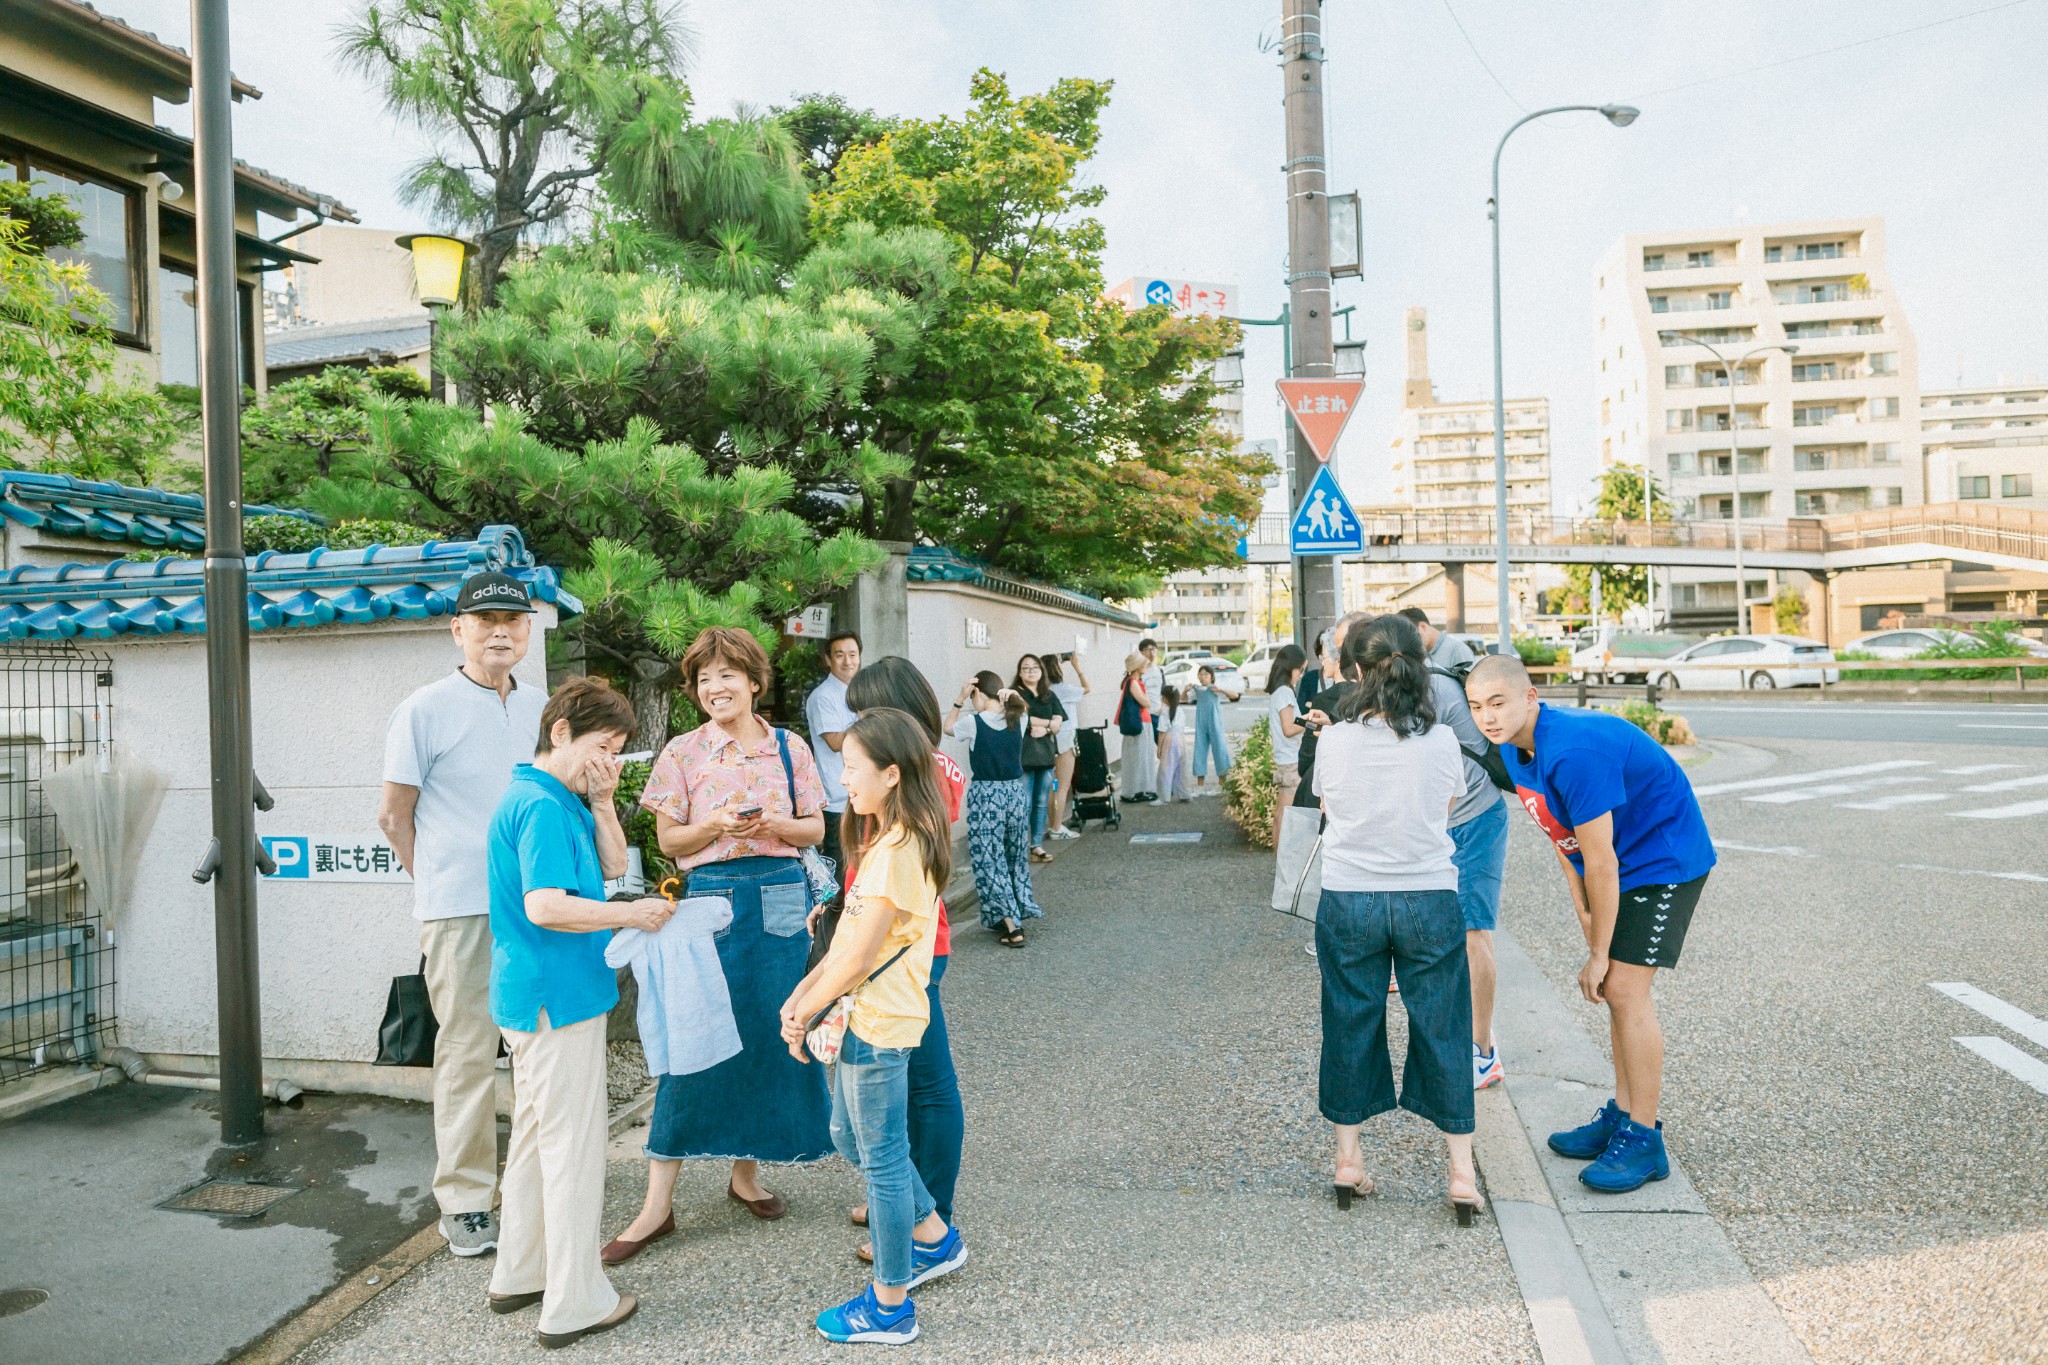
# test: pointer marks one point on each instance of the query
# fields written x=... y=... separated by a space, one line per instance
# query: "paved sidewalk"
x=1146 y=1175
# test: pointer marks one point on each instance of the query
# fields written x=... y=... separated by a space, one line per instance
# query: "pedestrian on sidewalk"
x=554 y=841
x=1388 y=775
x=998 y=806
x=1286 y=729
x=1635 y=852
x=1444 y=650
x=1173 y=749
x=1479 y=829
x=938 y=1121
x=1154 y=678
x=1209 y=742
x=878 y=968
x=735 y=801
x=1057 y=666
x=827 y=715
x=1044 y=720
x=448 y=758
x=1138 y=772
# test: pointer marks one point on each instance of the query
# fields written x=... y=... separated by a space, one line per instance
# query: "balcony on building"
x=1828 y=502
x=1715 y=418
x=1699 y=256
x=1838 y=246
x=1711 y=464
x=1713 y=336
x=1865 y=455
x=1711 y=376
x=1834 y=327
x=1695 y=301
x=1838 y=289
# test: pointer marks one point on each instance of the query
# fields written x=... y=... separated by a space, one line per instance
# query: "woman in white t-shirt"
x=1388 y=775
x=1057 y=666
x=1283 y=718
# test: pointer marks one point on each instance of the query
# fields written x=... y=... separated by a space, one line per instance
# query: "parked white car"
x=1611 y=655
x=1258 y=666
x=1906 y=644
x=1756 y=662
x=1181 y=670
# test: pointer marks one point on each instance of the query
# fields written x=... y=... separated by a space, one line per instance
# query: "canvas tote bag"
x=1298 y=868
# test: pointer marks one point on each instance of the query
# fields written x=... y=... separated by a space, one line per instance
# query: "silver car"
x=1756 y=662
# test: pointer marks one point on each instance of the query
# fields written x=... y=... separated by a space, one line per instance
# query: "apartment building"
x=1443 y=453
x=1206 y=609
x=1833 y=427
x=1987 y=444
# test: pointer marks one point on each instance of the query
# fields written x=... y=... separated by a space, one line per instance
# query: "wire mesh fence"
x=57 y=976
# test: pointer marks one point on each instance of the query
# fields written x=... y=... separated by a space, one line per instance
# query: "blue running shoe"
x=943 y=1257
x=1633 y=1159
x=864 y=1319
x=1583 y=1144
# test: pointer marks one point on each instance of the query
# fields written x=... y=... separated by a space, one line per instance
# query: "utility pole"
x=1317 y=603
x=231 y=861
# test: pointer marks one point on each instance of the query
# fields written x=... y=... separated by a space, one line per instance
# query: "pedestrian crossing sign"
x=1324 y=524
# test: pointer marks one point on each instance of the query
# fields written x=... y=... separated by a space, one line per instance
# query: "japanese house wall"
x=321 y=700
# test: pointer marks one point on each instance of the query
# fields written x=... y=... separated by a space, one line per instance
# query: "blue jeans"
x=1209 y=742
x=1480 y=853
x=870 y=1112
x=938 y=1122
x=1420 y=936
x=1038 y=784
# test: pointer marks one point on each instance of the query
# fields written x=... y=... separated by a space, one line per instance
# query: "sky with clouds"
x=1943 y=131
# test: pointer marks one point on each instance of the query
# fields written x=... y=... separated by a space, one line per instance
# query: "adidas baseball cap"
x=492 y=591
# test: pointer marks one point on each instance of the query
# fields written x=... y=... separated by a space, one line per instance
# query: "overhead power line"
x=1482 y=60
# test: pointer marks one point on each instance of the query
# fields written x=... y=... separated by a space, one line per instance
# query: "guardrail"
x=2020 y=667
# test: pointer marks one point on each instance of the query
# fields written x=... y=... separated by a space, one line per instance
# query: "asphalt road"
x=1871 y=1142
x=1869 y=722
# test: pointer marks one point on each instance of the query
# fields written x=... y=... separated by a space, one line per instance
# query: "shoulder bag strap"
x=788 y=768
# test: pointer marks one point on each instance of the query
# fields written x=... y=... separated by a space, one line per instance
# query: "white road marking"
x=2011 y=784
x=1829 y=789
x=1785 y=849
x=2025 y=1067
x=1966 y=726
x=1818 y=775
x=1973 y=769
x=1974 y=872
x=2012 y=812
x=1887 y=802
x=1998 y=1011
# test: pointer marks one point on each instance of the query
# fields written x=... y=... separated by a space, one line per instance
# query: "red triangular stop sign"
x=1321 y=407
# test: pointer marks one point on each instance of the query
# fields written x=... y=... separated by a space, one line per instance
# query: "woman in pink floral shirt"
x=734 y=802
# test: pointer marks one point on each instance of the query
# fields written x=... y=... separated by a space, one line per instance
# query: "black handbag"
x=406 y=1037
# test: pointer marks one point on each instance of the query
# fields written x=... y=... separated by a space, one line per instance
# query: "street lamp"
x=1621 y=116
x=1734 y=450
x=437 y=280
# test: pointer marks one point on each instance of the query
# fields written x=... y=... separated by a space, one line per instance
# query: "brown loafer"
x=619 y=1250
x=628 y=1305
x=767 y=1210
x=512 y=1303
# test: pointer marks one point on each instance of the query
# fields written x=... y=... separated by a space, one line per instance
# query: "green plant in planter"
x=1248 y=794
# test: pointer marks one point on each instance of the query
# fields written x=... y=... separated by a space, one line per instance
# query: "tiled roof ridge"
x=99 y=510
x=102 y=18
x=393 y=323
x=943 y=564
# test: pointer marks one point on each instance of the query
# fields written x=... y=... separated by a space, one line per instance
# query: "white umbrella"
x=106 y=816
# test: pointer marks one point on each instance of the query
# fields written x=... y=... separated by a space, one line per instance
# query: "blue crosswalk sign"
x=1324 y=524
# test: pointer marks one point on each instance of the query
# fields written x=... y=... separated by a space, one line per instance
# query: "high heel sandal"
x=1344 y=1190
x=1465 y=1207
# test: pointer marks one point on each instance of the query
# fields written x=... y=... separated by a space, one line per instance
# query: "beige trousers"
x=548 y=1230
x=458 y=953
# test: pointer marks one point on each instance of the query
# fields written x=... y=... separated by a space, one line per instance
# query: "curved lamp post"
x=1621 y=116
x=437 y=280
x=1734 y=450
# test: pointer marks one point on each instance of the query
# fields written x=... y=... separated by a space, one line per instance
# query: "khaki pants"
x=458 y=974
x=549 y=1225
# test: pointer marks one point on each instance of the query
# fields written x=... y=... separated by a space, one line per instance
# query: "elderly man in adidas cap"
x=448 y=758
x=1635 y=853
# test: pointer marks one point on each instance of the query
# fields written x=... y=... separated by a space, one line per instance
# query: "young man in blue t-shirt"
x=1635 y=852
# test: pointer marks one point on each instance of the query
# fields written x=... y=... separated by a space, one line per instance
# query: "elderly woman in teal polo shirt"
x=555 y=838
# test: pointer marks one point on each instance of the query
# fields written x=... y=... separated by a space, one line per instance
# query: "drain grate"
x=15 y=1301
x=229 y=1198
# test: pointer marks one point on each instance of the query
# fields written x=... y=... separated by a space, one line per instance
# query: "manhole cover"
x=229 y=1198
x=13 y=1301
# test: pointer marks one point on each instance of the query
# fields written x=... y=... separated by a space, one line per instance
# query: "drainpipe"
x=136 y=1068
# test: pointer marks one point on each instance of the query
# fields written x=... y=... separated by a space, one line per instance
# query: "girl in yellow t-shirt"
x=881 y=955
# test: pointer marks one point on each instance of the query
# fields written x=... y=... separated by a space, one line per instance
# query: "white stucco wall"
x=321 y=700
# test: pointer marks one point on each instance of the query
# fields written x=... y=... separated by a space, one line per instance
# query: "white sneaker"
x=1064 y=833
x=470 y=1234
x=1487 y=1070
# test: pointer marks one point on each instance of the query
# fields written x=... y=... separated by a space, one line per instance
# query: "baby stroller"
x=1094 y=794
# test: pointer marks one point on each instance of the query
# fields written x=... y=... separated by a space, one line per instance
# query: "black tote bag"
x=406 y=1037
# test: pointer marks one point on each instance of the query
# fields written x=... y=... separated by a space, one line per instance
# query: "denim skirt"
x=763 y=1104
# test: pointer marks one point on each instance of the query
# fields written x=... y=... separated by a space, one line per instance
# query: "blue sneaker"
x=864 y=1319
x=943 y=1257
x=1583 y=1144
x=1633 y=1158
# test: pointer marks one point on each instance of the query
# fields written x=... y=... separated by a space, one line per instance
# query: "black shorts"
x=1650 y=930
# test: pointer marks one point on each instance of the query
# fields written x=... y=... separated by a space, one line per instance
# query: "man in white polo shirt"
x=829 y=719
x=447 y=761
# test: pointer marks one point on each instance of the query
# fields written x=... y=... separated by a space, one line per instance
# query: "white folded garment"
x=685 y=1013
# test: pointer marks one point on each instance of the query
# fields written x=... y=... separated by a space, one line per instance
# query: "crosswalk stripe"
x=1969 y=872
x=1973 y=769
x=1786 y=798
x=2000 y=1012
x=2012 y=812
x=2022 y=1066
x=1820 y=775
x=1887 y=802
x=2011 y=784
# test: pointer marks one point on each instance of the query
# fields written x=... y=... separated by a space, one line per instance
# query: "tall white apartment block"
x=1443 y=453
x=1987 y=445
x=1834 y=428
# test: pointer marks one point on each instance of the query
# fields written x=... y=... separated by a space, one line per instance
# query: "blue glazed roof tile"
x=939 y=564
x=62 y=505
x=286 y=591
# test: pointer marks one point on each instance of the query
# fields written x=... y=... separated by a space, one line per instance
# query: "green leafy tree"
x=529 y=99
x=1618 y=498
x=63 y=406
x=825 y=128
x=291 y=437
